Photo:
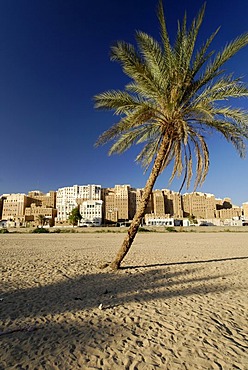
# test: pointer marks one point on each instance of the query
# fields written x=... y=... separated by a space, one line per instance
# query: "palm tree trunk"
x=133 y=229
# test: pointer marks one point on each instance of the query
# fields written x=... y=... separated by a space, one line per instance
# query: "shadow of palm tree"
x=110 y=289
x=67 y=344
x=184 y=262
x=66 y=317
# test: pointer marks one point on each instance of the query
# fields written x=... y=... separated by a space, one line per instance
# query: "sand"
x=179 y=302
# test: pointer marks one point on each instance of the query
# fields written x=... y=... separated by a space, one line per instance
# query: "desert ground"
x=179 y=302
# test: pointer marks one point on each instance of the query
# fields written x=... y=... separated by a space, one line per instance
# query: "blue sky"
x=55 y=57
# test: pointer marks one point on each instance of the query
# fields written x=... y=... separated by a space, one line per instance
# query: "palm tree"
x=41 y=219
x=75 y=216
x=175 y=97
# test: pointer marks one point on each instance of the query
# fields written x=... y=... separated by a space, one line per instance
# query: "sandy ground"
x=179 y=302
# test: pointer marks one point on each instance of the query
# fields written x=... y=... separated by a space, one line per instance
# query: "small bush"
x=40 y=230
x=64 y=231
x=4 y=231
x=143 y=230
x=171 y=229
x=113 y=231
x=57 y=231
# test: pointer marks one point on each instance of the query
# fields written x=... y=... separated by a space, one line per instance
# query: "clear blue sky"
x=55 y=57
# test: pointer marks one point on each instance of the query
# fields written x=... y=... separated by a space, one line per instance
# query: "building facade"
x=33 y=213
x=229 y=213
x=199 y=205
x=14 y=206
x=120 y=203
x=116 y=204
x=110 y=212
x=158 y=202
x=1 y=206
x=91 y=212
x=245 y=210
x=47 y=200
x=71 y=197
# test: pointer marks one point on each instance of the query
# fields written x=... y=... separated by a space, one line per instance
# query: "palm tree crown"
x=173 y=97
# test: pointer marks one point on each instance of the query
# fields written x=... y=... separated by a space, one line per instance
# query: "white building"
x=91 y=212
x=70 y=197
x=159 y=221
x=91 y=192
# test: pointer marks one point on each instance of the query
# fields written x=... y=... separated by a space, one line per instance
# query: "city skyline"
x=55 y=58
x=98 y=206
x=124 y=184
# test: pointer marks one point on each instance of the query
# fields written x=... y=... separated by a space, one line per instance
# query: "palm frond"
x=168 y=51
x=185 y=42
x=153 y=59
x=223 y=89
x=117 y=100
x=213 y=69
x=133 y=66
x=233 y=134
x=147 y=154
x=202 y=56
x=137 y=135
x=238 y=116
x=135 y=118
